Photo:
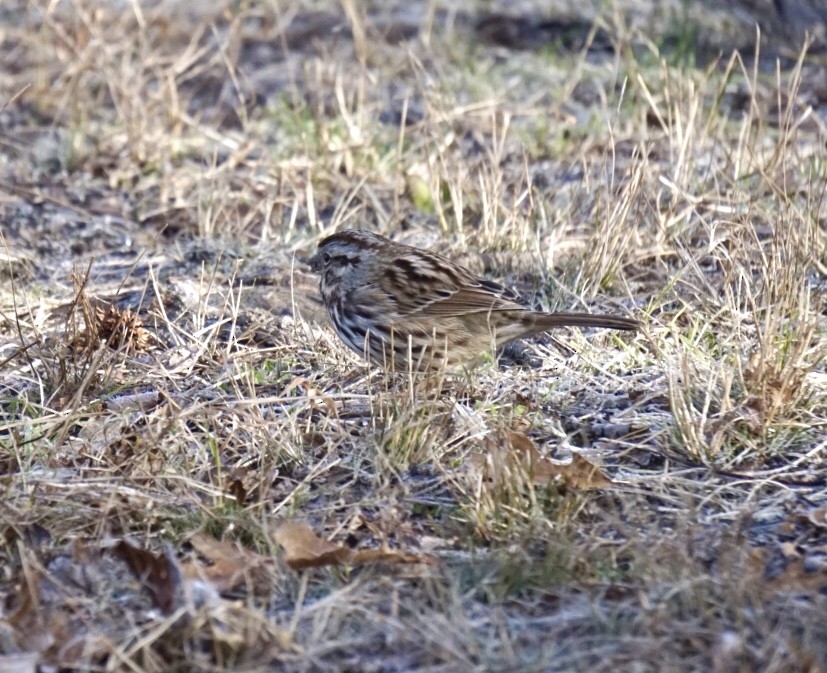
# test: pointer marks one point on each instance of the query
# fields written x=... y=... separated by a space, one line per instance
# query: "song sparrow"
x=402 y=307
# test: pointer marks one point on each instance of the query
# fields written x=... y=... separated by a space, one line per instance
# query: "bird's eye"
x=326 y=258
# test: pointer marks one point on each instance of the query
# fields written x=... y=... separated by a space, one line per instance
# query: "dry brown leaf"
x=159 y=574
x=237 y=479
x=165 y=579
x=230 y=563
x=512 y=450
x=387 y=555
x=304 y=549
x=581 y=473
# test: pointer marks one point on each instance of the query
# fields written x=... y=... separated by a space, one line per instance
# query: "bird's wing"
x=480 y=297
x=420 y=284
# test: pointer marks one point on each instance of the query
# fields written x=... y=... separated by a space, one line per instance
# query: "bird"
x=408 y=309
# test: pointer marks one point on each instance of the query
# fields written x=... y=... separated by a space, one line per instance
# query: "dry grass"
x=170 y=394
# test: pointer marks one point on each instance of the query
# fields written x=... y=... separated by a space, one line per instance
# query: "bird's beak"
x=315 y=263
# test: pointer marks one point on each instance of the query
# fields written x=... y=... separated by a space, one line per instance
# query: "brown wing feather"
x=424 y=283
x=470 y=299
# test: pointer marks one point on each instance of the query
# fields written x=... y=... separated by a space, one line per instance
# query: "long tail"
x=546 y=321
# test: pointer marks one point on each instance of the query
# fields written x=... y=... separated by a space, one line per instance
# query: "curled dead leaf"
x=230 y=563
x=168 y=583
x=581 y=473
x=510 y=452
x=159 y=574
x=304 y=549
x=387 y=555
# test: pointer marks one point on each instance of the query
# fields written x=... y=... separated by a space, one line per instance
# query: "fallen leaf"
x=237 y=480
x=304 y=549
x=509 y=451
x=387 y=555
x=159 y=574
x=580 y=473
x=230 y=563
